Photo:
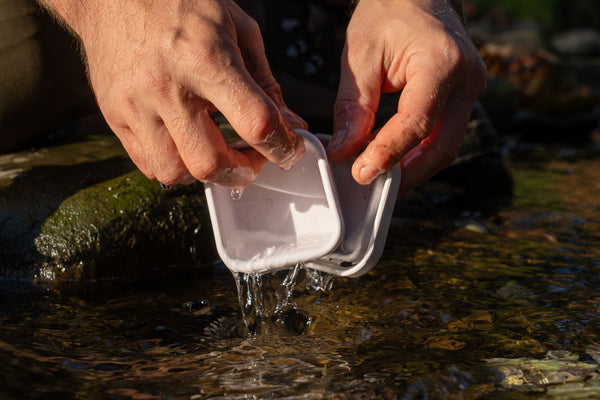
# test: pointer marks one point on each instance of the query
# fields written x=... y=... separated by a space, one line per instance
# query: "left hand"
x=421 y=48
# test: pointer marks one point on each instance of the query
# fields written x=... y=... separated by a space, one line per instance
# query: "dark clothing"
x=42 y=79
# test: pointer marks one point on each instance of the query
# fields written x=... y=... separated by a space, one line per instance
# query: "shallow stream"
x=470 y=306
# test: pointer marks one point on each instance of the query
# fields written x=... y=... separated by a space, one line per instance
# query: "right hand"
x=418 y=47
x=159 y=69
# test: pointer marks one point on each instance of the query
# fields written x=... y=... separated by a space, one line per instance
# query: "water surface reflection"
x=474 y=306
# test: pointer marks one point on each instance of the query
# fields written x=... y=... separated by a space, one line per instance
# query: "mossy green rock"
x=125 y=226
x=77 y=208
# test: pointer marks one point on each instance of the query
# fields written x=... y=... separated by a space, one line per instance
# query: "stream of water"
x=472 y=306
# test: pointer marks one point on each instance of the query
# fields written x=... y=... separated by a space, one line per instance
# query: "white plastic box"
x=314 y=213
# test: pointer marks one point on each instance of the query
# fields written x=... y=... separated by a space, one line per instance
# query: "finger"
x=355 y=105
x=148 y=143
x=204 y=151
x=273 y=90
x=253 y=115
x=160 y=152
x=419 y=107
x=440 y=148
x=252 y=50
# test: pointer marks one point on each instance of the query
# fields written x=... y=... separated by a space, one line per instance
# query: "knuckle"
x=212 y=58
x=454 y=57
x=260 y=125
x=207 y=49
x=169 y=175
x=253 y=29
x=420 y=127
x=155 y=81
x=270 y=86
x=208 y=170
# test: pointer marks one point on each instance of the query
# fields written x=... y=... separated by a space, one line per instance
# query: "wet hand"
x=421 y=48
x=159 y=69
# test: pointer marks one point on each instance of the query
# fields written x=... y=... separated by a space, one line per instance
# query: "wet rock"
x=554 y=368
x=445 y=342
x=515 y=292
x=578 y=42
x=573 y=127
x=544 y=81
x=525 y=33
x=124 y=226
x=472 y=225
x=79 y=209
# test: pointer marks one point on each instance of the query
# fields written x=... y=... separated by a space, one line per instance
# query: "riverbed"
x=466 y=305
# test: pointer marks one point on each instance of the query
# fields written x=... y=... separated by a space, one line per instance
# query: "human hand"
x=421 y=48
x=159 y=69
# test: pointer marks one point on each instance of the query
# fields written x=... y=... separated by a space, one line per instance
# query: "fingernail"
x=367 y=174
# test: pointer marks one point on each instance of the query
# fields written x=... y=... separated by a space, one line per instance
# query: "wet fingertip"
x=367 y=174
x=294 y=156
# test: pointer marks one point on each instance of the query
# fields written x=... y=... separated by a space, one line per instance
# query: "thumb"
x=355 y=106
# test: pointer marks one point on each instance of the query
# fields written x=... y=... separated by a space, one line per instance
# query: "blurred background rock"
x=543 y=60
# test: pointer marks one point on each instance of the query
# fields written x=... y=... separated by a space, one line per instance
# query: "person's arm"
x=160 y=68
x=421 y=48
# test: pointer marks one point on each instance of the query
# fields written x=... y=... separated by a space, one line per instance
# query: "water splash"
x=318 y=280
x=269 y=297
x=286 y=298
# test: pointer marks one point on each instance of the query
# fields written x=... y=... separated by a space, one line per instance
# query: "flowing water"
x=467 y=306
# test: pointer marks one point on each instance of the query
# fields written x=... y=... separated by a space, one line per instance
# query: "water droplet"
x=236 y=194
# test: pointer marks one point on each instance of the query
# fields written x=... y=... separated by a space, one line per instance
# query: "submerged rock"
x=559 y=367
